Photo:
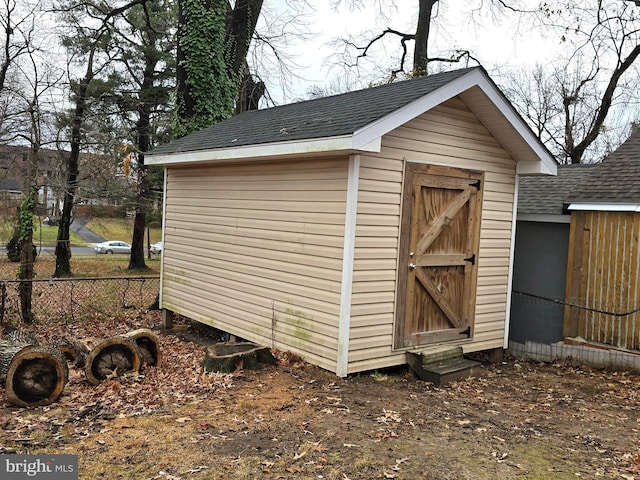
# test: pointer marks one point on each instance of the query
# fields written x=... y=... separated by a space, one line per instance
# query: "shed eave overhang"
x=345 y=144
x=604 y=207
x=532 y=167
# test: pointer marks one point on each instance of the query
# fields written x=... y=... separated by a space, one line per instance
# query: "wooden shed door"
x=439 y=254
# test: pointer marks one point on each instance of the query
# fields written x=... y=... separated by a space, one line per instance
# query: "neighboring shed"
x=10 y=189
x=351 y=229
x=604 y=254
x=541 y=249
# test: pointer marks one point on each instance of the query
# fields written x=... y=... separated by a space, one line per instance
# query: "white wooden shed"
x=354 y=228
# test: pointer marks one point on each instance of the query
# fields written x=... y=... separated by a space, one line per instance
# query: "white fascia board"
x=605 y=207
x=344 y=143
x=416 y=108
x=547 y=164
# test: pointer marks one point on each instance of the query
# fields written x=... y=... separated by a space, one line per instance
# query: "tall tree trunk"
x=251 y=91
x=136 y=259
x=240 y=25
x=63 y=245
x=186 y=105
x=420 y=54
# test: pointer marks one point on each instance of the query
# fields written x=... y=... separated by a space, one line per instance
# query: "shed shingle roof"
x=546 y=195
x=319 y=118
x=616 y=180
x=356 y=122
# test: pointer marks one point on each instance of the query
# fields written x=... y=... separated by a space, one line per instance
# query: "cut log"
x=148 y=346
x=20 y=336
x=75 y=351
x=8 y=349
x=110 y=358
x=35 y=375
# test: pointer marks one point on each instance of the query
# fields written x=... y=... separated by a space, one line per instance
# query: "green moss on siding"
x=301 y=323
x=176 y=275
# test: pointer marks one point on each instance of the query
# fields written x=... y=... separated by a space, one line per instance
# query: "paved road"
x=74 y=250
x=78 y=226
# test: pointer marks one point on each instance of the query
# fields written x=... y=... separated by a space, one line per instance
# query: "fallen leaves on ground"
x=293 y=420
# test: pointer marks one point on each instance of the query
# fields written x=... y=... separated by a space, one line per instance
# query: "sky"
x=316 y=60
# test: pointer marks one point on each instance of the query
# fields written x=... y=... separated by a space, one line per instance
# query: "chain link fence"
x=71 y=299
x=603 y=336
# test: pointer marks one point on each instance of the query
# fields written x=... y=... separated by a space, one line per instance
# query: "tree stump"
x=112 y=357
x=34 y=375
x=148 y=346
x=226 y=357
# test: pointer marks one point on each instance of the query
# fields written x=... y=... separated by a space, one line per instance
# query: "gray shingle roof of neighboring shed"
x=319 y=118
x=546 y=195
x=615 y=180
x=9 y=185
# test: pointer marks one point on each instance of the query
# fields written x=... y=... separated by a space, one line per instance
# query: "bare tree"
x=574 y=102
x=31 y=92
x=415 y=55
x=271 y=60
x=16 y=23
x=582 y=104
x=18 y=33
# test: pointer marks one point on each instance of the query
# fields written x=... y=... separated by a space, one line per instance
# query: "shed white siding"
x=256 y=250
x=450 y=135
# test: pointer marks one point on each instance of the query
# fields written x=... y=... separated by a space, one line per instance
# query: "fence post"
x=3 y=291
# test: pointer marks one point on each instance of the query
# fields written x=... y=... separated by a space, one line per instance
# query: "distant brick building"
x=101 y=181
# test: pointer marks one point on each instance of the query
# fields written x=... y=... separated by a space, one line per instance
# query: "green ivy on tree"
x=210 y=88
x=23 y=232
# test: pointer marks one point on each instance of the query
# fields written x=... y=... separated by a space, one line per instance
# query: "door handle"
x=412 y=266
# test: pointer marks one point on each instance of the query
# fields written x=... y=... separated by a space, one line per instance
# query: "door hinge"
x=475 y=184
x=471 y=259
x=466 y=332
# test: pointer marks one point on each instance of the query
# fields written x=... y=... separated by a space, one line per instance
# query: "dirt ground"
x=517 y=420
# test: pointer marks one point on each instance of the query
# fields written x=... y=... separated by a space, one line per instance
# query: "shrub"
x=154 y=219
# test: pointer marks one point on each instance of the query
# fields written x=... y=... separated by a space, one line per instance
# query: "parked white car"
x=113 y=246
x=156 y=247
